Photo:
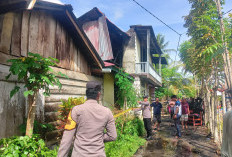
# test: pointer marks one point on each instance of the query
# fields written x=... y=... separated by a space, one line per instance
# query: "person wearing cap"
x=146 y=111
x=87 y=124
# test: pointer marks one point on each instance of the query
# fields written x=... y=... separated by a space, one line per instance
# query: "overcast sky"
x=124 y=13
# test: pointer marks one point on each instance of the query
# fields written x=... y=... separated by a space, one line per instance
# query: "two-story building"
x=139 y=60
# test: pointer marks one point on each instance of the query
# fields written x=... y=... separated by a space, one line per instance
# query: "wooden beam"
x=76 y=75
x=33 y=32
x=4 y=57
x=6 y=32
x=24 y=33
x=16 y=34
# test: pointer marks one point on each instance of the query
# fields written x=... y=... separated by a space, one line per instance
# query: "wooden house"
x=52 y=30
x=109 y=41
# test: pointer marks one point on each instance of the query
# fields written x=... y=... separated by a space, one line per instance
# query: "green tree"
x=206 y=53
x=172 y=78
x=37 y=75
x=163 y=44
x=174 y=82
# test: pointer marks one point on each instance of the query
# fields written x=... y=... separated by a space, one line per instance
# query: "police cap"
x=93 y=85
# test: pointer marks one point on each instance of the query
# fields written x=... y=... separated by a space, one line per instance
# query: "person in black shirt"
x=157 y=109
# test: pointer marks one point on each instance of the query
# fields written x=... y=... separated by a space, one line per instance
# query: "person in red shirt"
x=185 y=113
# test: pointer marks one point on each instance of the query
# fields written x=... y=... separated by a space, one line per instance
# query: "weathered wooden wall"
x=12 y=111
x=74 y=87
x=38 y=32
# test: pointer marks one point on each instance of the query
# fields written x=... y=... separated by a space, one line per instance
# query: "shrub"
x=37 y=75
x=66 y=107
x=126 y=91
x=39 y=128
x=128 y=140
x=24 y=146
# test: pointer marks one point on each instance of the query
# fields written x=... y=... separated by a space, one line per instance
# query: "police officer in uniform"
x=86 y=125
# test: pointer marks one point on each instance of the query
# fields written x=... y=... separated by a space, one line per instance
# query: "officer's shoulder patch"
x=70 y=124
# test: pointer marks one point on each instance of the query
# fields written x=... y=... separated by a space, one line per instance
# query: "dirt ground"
x=193 y=143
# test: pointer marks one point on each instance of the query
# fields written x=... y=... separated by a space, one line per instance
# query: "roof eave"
x=67 y=10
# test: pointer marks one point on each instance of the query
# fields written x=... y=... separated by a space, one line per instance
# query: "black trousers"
x=177 y=125
x=147 y=125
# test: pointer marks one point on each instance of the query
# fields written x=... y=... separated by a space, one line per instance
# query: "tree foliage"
x=206 y=54
x=173 y=80
x=163 y=44
x=175 y=83
x=126 y=91
x=36 y=73
x=202 y=54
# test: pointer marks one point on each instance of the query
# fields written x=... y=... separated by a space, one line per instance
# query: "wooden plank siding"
x=16 y=35
x=12 y=111
x=24 y=33
x=33 y=41
x=39 y=32
x=7 y=27
x=74 y=87
x=49 y=44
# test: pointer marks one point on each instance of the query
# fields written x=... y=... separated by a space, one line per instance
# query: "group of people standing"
x=178 y=109
x=90 y=125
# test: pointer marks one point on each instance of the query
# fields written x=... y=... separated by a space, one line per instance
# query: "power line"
x=164 y=24
x=227 y=12
x=177 y=49
x=157 y=17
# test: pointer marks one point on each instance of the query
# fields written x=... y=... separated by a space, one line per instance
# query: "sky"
x=124 y=13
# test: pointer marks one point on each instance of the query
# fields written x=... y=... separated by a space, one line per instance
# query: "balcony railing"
x=146 y=68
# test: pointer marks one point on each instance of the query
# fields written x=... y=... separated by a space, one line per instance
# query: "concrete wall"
x=108 y=98
x=137 y=49
x=129 y=55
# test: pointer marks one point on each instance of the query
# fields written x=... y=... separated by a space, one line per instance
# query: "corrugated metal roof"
x=108 y=64
x=117 y=37
x=97 y=32
x=94 y=14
